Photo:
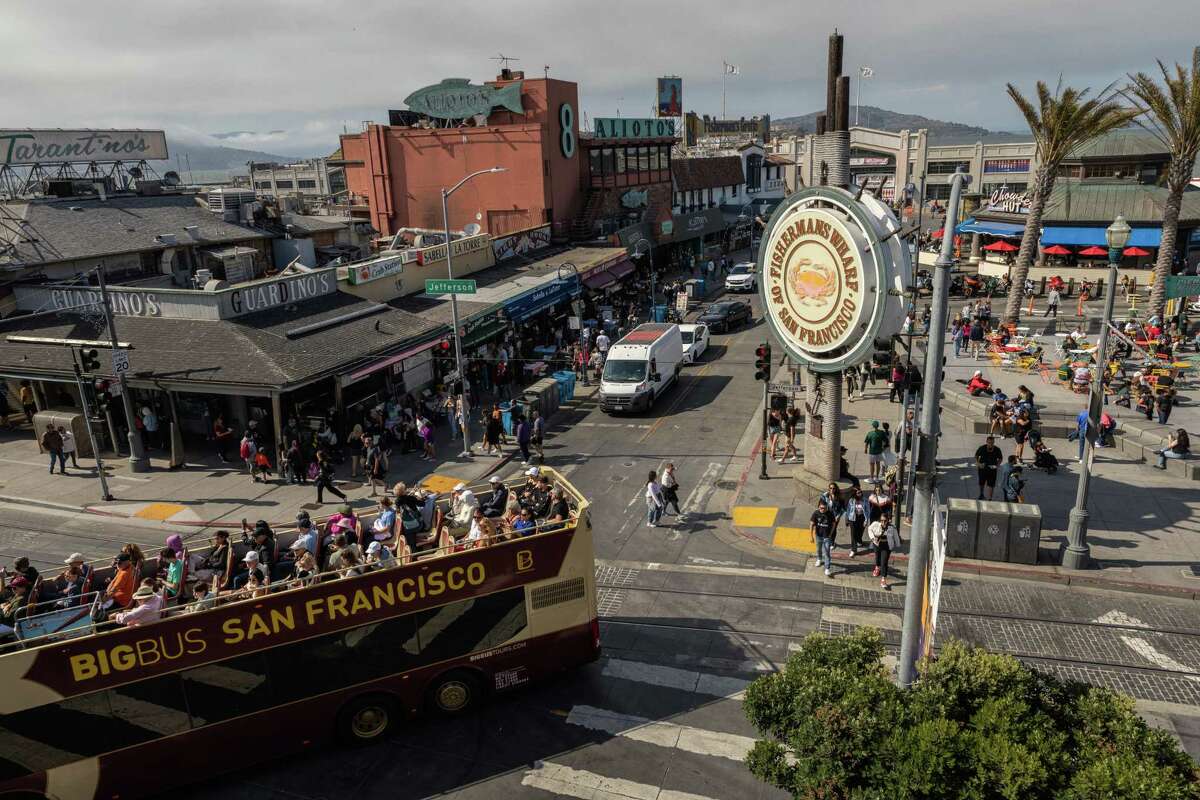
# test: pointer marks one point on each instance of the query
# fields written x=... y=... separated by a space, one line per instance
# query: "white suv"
x=741 y=278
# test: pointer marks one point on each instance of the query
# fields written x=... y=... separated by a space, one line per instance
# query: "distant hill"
x=940 y=132
x=211 y=158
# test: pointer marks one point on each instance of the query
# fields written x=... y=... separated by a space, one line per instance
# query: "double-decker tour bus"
x=344 y=657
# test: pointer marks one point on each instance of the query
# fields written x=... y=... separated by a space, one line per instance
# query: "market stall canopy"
x=1001 y=247
x=1083 y=236
x=1056 y=250
x=1134 y=251
x=1093 y=251
x=1005 y=230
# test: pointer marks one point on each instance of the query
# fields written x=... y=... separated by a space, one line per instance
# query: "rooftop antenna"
x=546 y=69
x=504 y=61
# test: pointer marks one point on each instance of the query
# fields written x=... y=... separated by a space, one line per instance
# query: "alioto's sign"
x=827 y=266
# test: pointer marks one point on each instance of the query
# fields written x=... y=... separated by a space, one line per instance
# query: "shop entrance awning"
x=600 y=279
x=621 y=269
x=1005 y=230
x=1084 y=236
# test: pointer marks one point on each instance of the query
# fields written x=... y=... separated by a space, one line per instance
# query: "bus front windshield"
x=624 y=371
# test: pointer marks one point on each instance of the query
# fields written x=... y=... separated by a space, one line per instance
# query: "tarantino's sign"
x=813 y=284
x=26 y=146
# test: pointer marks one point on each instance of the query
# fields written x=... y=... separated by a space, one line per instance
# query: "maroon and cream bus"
x=344 y=658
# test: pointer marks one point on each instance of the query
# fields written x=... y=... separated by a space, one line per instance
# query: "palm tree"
x=1173 y=111
x=1060 y=123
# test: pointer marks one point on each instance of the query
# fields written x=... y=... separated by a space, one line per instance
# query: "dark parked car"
x=725 y=316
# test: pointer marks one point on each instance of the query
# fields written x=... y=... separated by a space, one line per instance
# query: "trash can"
x=1024 y=532
x=962 y=526
x=695 y=288
x=659 y=313
x=991 y=544
x=506 y=417
x=529 y=403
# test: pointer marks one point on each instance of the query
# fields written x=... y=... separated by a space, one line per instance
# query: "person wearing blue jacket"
x=855 y=516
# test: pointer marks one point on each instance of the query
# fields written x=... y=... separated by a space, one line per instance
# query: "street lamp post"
x=1078 y=553
x=458 y=359
x=637 y=252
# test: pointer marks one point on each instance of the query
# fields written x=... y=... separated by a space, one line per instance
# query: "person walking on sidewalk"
x=523 y=436
x=832 y=496
x=856 y=520
x=247 y=450
x=774 y=431
x=884 y=538
x=851 y=383
x=68 y=439
x=1052 y=300
x=875 y=442
x=324 y=479
x=654 y=500
x=987 y=462
x=960 y=333
x=373 y=464
x=821 y=529
x=791 y=425
x=52 y=441
x=539 y=435
x=222 y=436
x=28 y=404
x=670 y=487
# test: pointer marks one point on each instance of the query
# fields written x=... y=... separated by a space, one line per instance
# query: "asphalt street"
x=689 y=617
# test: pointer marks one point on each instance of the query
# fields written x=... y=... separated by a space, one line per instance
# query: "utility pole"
x=138 y=462
x=926 y=454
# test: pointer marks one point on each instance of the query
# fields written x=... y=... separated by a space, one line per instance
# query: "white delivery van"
x=640 y=367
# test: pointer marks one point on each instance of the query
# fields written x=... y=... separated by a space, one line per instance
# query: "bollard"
x=1070 y=287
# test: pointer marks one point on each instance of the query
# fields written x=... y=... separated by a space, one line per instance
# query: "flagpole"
x=724 y=72
x=858 y=100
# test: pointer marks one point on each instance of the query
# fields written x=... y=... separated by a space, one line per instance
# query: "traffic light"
x=762 y=362
x=89 y=359
x=102 y=397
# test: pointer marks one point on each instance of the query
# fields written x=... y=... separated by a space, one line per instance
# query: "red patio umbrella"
x=1135 y=251
x=939 y=233
x=1001 y=247
x=1057 y=250
x=1094 y=251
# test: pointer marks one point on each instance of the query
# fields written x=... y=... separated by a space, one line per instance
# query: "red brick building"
x=401 y=170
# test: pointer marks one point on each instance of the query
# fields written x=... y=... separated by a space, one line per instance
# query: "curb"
x=202 y=524
x=48 y=504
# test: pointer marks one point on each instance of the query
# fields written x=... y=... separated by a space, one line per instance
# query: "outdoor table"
x=545 y=350
x=537 y=367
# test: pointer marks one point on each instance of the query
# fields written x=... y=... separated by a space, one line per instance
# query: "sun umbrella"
x=939 y=233
x=1136 y=251
x=1094 y=251
x=1002 y=247
x=1057 y=250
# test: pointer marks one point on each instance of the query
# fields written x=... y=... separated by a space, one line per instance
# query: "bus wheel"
x=365 y=719
x=454 y=693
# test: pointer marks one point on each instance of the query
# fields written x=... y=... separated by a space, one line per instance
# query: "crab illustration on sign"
x=812 y=282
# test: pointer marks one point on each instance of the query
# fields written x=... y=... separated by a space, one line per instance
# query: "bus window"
x=470 y=625
x=79 y=727
x=343 y=659
x=227 y=689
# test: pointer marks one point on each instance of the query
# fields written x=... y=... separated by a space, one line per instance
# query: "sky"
x=288 y=77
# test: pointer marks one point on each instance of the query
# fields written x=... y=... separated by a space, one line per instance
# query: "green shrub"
x=976 y=725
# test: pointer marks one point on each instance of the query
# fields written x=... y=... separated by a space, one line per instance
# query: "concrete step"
x=1187 y=469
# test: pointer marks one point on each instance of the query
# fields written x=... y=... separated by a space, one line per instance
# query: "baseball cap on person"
x=122 y=558
x=495 y=479
x=532 y=472
x=374 y=547
x=874 y=423
x=344 y=509
x=459 y=487
x=74 y=558
x=251 y=556
x=343 y=524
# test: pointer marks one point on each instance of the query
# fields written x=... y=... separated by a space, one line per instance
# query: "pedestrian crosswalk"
x=694 y=752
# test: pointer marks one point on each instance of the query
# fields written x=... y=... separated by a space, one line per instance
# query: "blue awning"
x=1139 y=237
x=530 y=303
x=1006 y=230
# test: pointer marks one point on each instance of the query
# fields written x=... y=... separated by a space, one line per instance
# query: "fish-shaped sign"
x=635 y=198
x=456 y=98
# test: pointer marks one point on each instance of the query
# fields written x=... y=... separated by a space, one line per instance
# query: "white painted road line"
x=674 y=678
x=580 y=783
x=1143 y=647
x=706 y=566
x=697 y=500
x=664 y=734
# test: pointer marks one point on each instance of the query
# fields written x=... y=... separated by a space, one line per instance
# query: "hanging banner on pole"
x=933 y=585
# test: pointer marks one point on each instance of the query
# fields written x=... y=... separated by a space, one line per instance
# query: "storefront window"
x=595 y=163
x=1111 y=170
x=753 y=172
x=610 y=162
x=948 y=167
x=644 y=160
x=621 y=167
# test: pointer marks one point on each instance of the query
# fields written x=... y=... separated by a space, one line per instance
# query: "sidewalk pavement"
x=1141 y=530
x=207 y=493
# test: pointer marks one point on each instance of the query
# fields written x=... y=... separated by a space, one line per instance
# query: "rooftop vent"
x=166 y=238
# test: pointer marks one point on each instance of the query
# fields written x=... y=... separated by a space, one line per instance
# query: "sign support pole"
x=458 y=359
x=105 y=494
x=138 y=462
x=926 y=476
x=766 y=412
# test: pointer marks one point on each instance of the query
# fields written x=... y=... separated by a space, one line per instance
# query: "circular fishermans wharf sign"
x=826 y=275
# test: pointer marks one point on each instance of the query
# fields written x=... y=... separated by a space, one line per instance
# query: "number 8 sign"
x=566 y=119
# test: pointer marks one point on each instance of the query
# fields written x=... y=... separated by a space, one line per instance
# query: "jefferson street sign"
x=435 y=286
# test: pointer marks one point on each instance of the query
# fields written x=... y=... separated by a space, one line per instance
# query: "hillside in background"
x=211 y=158
x=940 y=132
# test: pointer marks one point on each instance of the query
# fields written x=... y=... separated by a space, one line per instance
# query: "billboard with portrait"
x=670 y=97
